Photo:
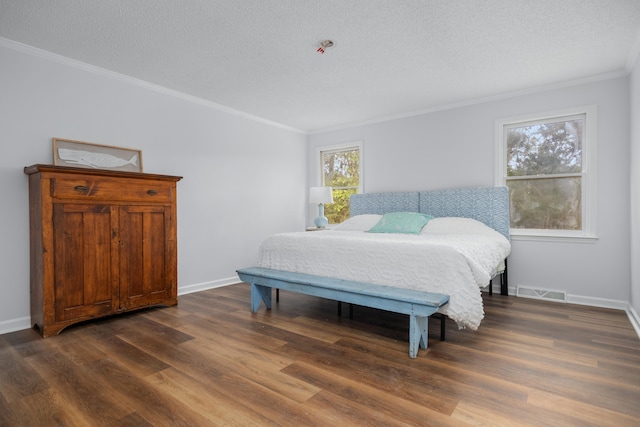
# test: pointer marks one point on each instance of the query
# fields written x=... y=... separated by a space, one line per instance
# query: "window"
x=547 y=162
x=341 y=169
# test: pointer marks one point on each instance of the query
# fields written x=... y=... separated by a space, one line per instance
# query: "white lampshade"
x=319 y=195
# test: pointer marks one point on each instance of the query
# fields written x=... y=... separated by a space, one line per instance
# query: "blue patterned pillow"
x=401 y=222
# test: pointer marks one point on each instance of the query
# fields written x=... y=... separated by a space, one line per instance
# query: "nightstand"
x=328 y=227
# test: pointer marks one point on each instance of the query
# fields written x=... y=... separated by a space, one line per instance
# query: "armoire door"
x=85 y=276
x=147 y=256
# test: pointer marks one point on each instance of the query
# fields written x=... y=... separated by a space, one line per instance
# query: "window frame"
x=588 y=174
x=345 y=146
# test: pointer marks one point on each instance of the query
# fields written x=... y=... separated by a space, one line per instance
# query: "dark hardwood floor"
x=209 y=361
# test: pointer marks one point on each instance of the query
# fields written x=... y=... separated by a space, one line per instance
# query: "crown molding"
x=50 y=56
x=476 y=101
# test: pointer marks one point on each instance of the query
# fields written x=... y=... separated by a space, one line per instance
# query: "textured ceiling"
x=391 y=58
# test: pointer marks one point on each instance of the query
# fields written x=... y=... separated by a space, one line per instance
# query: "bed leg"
x=443 y=326
x=504 y=280
x=277 y=294
x=350 y=310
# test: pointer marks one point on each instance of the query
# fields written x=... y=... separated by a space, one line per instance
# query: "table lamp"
x=321 y=196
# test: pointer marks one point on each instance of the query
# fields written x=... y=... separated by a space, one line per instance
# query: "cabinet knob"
x=81 y=188
x=152 y=192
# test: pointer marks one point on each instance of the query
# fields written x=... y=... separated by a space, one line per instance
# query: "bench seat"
x=417 y=304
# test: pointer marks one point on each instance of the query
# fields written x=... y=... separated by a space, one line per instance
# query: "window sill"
x=562 y=239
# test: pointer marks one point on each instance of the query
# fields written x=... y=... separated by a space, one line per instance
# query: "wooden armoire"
x=102 y=242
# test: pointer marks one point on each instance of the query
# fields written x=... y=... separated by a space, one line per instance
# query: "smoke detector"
x=324 y=44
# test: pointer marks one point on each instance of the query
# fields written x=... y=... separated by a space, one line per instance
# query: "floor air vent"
x=543 y=294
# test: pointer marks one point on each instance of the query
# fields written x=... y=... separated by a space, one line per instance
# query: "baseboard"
x=634 y=318
x=582 y=300
x=197 y=287
x=13 y=325
x=597 y=302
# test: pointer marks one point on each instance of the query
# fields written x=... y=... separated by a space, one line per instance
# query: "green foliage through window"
x=341 y=172
x=544 y=174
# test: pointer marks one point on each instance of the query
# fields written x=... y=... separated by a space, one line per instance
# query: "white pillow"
x=456 y=225
x=358 y=223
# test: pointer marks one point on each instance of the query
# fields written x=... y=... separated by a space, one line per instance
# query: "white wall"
x=243 y=179
x=635 y=189
x=455 y=147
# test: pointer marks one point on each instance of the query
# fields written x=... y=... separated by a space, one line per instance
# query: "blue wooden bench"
x=418 y=305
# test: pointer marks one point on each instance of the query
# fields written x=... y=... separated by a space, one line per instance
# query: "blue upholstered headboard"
x=382 y=203
x=489 y=205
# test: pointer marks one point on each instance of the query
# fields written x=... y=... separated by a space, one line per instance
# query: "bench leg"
x=418 y=334
x=260 y=293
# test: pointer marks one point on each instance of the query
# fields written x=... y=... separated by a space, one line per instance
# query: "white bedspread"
x=453 y=256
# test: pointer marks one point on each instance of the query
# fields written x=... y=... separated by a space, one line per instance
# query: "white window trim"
x=589 y=206
x=341 y=147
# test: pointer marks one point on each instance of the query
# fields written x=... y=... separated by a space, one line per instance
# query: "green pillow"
x=401 y=222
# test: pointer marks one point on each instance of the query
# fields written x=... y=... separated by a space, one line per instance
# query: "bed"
x=461 y=248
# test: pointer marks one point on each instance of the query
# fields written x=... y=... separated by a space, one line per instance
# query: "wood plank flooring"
x=209 y=361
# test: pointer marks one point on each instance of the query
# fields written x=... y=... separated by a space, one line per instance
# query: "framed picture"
x=86 y=155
